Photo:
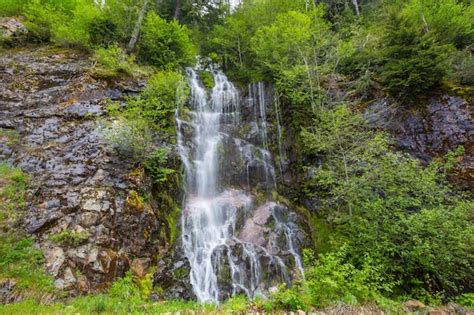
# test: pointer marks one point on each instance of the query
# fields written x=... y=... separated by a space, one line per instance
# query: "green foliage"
x=157 y=103
x=69 y=238
x=76 y=30
x=12 y=193
x=12 y=7
x=113 y=61
x=131 y=138
x=125 y=296
x=207 y=79
x=231 y=41
x=135 y=129
x=466 y=299
x=414 y=62
x=68 y=22
x=165 y=45
x=156 y=166
x=332 y=279
x=449 y=21
x=22 y=262
x=405 y=216
x=103 y=32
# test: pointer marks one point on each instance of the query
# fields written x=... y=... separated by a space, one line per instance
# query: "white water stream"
x=221 y=221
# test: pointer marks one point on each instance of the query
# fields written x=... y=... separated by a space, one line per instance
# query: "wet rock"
x=254 y=230
x=173 y=276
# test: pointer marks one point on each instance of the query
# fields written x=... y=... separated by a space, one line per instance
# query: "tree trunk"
x=136 y=30
x=356 y=6
x=177 y=10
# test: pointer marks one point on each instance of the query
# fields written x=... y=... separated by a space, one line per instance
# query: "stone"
x=88 y=219
x=10 y=27
x=7 y=288
x=83 y=284
x=139 y=266
x=76 y=182
x=414 y=305
x=92 y=205
x=54 y=260
x=66 y=281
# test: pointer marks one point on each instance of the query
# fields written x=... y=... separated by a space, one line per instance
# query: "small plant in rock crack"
x=69 y=237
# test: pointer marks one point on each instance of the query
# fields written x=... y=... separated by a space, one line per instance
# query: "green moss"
x=69 y=238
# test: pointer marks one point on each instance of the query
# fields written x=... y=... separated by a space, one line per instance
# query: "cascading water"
x=234 y=244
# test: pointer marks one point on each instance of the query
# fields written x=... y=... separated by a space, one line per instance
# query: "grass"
x=103 y=303
x=20 y=261
x=12 y=193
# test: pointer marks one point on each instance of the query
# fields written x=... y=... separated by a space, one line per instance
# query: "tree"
x=166 y=45
x=414 y=62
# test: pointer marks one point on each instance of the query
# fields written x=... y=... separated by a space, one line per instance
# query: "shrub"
x=12 y=7
x=103 y=31
x=331 y=279
x=166 y=45
x=131 y=139
x=466 y=299
x=76 y=30
x=389 y=206
x=157 y=103
x=112 y=61
x=157 y=166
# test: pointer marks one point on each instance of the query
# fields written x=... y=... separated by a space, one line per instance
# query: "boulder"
x=12 y=28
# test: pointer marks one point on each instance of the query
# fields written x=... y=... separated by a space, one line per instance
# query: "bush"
x=103 y=32
x=76 y=30
x=414 y=62
x=12 y=7
x=389 y=206
x=131 y=139
x=332 y=279
x=166 y=45
x=158 y=166
x=113 y=61
x=158 y=101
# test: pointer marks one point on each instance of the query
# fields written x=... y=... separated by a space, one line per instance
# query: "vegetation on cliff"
x=386 y=227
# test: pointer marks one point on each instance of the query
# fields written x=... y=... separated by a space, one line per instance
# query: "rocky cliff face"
x=81 y=203
x=433 y=129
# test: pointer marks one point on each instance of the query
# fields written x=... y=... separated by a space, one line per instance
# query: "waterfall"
x=234 y=243
x=276 y=101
